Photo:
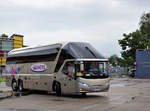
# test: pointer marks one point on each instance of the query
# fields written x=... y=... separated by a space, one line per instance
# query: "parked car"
x=132 y=73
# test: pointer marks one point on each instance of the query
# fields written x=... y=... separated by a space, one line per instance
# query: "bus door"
x=69 y=83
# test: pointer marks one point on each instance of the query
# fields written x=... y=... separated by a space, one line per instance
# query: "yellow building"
x=17 y=41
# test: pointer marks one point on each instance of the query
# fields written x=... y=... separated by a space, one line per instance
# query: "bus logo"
x=38 y=67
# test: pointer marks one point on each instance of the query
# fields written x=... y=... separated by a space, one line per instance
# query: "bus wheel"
x=58 y=89
x=14 y=85
x=20 y=86
x=84 y=94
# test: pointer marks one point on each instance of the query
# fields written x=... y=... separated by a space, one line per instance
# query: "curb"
x=5 y=91
x=5 y=94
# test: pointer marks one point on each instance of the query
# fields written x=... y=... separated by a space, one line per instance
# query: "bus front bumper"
x=94 y=88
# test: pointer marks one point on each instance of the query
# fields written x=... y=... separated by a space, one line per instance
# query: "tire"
x=54 y=86
x=58 y=89
x=84 y=94
x=20 y=86
x=14 y=85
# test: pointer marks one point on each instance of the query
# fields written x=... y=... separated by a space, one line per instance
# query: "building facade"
x=6 y=45
x=143 y=63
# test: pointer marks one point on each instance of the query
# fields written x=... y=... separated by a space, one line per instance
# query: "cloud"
x=137 y=3
x=101 y=23
x=44 y=4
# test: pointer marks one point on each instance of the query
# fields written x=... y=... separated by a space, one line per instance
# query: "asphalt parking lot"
x=124 y=95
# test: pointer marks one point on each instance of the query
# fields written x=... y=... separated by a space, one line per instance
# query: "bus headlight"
x=81 y=84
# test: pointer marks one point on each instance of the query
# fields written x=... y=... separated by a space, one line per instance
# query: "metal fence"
x=118 y=71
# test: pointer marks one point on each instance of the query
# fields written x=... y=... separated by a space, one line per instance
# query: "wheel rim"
x=20 y=87
x=14 y=85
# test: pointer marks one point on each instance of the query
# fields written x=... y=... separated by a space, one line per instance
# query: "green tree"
x=130 y=43
x=4 y=36
x=139 y=39
x=114 y=59
x=145 y=24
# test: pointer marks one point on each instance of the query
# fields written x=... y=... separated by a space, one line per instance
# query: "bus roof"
x=33 y=47
x=77 y=50
x=35 y=50
x=82 y=50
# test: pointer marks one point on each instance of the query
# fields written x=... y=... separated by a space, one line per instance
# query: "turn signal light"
x=81 y=89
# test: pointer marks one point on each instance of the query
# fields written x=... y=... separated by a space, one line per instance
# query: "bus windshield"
x=94 y=69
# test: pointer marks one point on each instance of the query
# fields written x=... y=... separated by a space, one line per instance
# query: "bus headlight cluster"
x=81 y=84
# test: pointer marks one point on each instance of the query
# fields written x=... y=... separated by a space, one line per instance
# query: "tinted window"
x=82 y=50
x=69 y=68
x=36 y=58
x=77 y=50
x=63 y=56
x=44 y=50
x=40 y=54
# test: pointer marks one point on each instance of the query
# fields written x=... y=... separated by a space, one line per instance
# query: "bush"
x=2 y=80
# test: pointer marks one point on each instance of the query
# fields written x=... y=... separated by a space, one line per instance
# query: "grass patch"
x=2 y=79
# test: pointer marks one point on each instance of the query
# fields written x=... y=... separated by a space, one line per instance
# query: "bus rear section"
x=32 y=67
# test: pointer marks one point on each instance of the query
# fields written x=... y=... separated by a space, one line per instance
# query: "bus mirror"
x=81 y=67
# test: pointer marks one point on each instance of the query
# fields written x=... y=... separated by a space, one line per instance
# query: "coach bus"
x=64 y=68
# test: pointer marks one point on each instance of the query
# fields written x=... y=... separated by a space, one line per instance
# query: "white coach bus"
x=64 y=68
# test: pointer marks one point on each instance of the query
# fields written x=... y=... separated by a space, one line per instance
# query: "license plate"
x=96 y=88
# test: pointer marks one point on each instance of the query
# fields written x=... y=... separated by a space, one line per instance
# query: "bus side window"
x=65 y=70
x=69 y=69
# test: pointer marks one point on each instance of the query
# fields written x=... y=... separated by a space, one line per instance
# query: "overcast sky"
x=99 y=22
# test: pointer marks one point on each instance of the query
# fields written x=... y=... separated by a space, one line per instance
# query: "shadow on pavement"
x=73 y=96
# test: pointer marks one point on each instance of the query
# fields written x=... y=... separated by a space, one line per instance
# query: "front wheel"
x=14 y=85
x=58 y=89
x=84 y=94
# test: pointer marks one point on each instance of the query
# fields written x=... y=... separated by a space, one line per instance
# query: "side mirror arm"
x=75 y=77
